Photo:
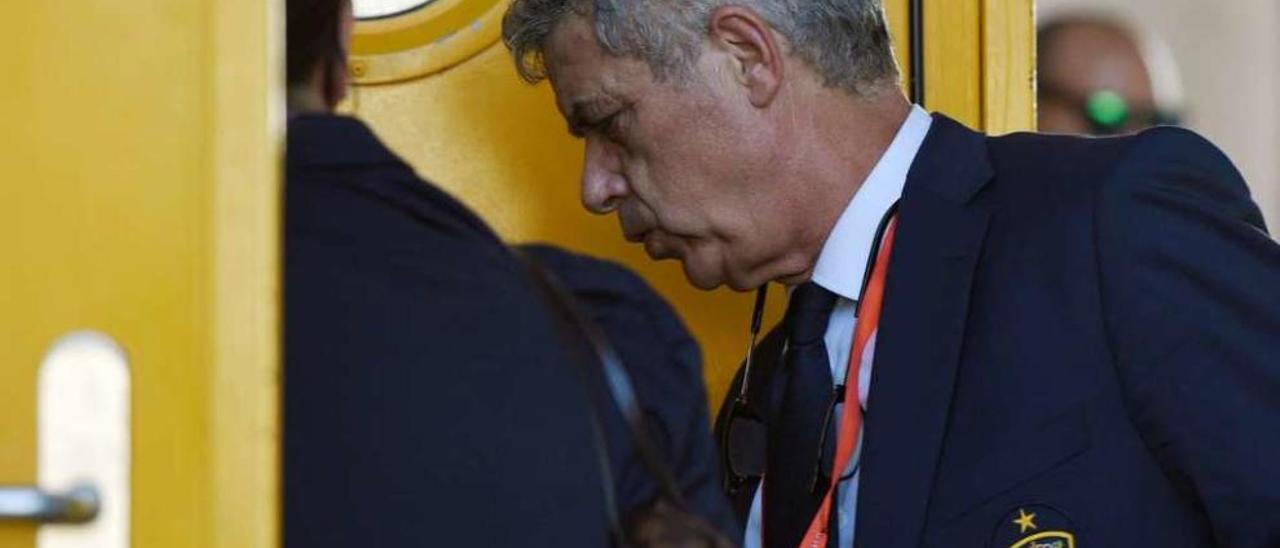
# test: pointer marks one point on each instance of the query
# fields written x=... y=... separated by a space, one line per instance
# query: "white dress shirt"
x=840 y=269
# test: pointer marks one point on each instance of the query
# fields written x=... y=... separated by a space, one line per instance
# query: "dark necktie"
x=802 y=390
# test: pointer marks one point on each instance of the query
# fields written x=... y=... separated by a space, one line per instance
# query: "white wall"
x=1229 y=55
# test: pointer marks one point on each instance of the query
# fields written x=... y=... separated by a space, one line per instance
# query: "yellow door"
x=138 y=199
x=435 y=82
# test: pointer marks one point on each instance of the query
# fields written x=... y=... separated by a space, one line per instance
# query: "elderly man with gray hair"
x=1016 y=341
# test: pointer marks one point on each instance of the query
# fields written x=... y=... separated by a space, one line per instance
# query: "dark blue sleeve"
x=1190 y=285
x=666 y=366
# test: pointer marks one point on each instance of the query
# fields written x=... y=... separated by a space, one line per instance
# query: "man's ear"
x=754 y=48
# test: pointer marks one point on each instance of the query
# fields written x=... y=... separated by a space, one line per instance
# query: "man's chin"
x=711 y=279
x=707 y=277
x=705 y=284
x=714 y=278
x=656 y=251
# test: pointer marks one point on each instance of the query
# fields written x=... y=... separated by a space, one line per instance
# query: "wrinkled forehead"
x=573 y=58
x=580 y=70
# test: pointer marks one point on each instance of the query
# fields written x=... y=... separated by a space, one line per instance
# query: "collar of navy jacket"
x=326 y=146
x=323 y=140
x=943 y=223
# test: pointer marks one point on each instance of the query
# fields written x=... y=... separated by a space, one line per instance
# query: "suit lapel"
x=942 y=225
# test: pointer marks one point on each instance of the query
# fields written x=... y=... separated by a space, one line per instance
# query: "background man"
x=1057 y=339
x=1096 y=78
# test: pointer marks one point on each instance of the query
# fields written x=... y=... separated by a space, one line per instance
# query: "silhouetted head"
x=1095 y=78
x=319 y=34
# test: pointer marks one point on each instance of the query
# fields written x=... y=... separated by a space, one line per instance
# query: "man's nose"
x=603 y=185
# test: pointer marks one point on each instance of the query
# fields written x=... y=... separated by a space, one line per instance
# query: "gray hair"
x=845 y=41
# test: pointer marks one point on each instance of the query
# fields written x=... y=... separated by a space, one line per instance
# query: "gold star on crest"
x=1025 y=521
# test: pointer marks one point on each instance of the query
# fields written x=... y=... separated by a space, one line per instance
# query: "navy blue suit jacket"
x=428 y=400
x=1080 y=337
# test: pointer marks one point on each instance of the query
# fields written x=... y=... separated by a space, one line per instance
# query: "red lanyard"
x=851 y=418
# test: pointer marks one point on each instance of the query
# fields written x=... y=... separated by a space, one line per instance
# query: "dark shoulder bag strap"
x=577 y=328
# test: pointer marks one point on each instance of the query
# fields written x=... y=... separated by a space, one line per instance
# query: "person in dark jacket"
x=429 y=399
x=1013 y=341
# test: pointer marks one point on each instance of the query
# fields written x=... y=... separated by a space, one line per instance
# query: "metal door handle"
x=24 y=503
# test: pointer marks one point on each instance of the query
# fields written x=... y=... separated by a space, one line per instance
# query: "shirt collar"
x=326 y=140
x=842 y=263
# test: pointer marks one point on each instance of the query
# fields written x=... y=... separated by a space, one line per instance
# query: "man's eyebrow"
x=584 y=113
